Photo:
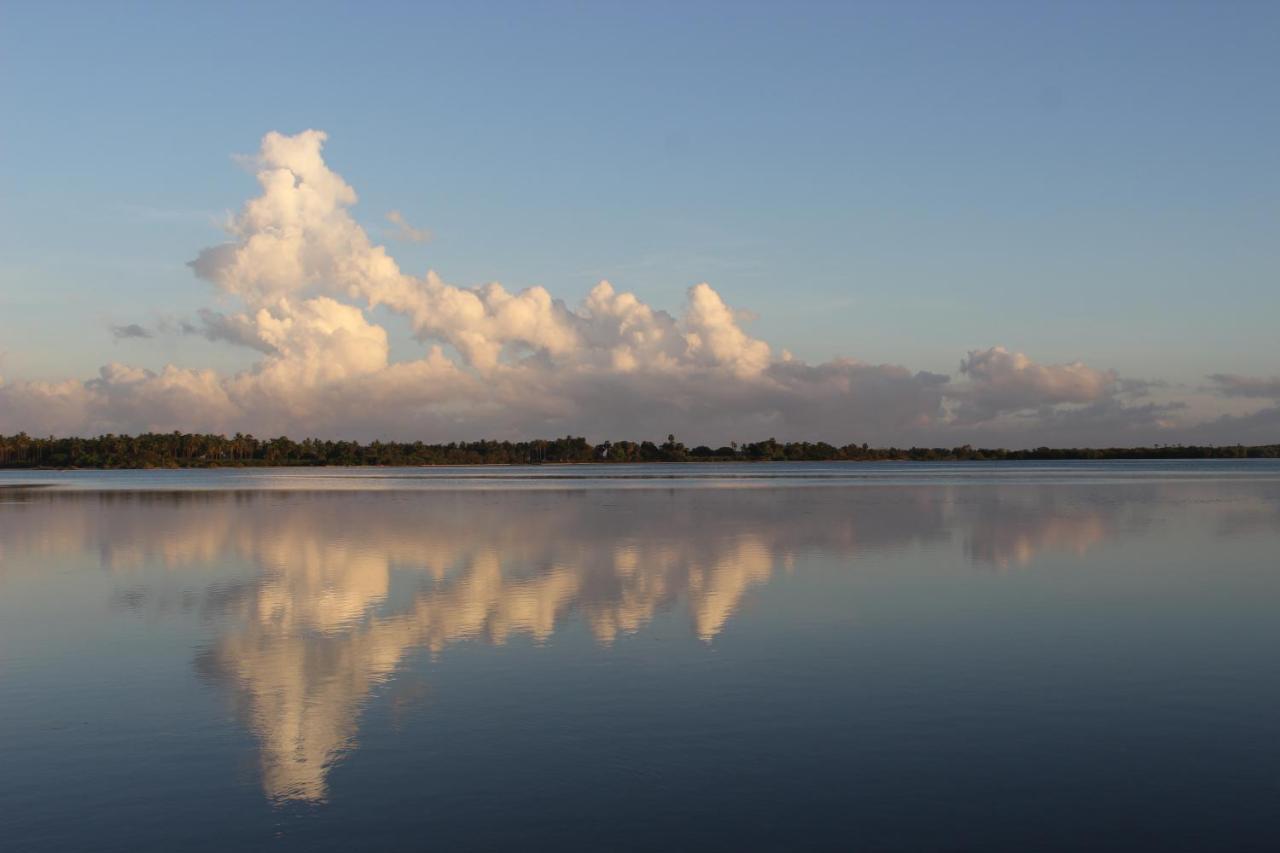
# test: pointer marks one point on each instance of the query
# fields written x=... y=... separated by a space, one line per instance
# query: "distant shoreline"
x=186 y=450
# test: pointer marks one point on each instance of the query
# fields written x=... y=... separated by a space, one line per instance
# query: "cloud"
x=1127 y=386
x=53 y=408
x=236 y=329
x=1002 y=382
x=1008 y=399
x=1235 y=385
x=132 y=330
x=301 y=277
x=119 y=398
x=1260 y=427
x=406 y=232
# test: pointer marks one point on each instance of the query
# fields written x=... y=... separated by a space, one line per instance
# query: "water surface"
x=991 y=657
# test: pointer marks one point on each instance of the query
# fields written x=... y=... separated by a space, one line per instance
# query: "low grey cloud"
x=1131 y=387
x=236 y=329
x=1235 y=385
x=132 y=330
x=1003 y=382
x=1260 y=427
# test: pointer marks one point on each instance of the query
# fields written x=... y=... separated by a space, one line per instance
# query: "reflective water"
x=984 y=657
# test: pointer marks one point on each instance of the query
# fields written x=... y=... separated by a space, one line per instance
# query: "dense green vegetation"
x=184 y=450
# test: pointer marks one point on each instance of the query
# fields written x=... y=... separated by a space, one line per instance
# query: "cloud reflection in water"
x=331 y=591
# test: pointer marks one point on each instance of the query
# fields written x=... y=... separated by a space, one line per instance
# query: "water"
x=916 y=657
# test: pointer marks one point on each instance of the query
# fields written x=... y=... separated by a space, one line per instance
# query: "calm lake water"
x=883 y=657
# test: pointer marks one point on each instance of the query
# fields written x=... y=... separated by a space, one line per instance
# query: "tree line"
x=196 y=450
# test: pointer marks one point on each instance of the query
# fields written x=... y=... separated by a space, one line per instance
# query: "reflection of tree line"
x=319 y=627
x=429 y=532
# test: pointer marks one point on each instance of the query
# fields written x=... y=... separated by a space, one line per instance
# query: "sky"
x=993 y=223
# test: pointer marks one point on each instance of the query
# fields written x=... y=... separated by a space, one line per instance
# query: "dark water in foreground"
x=972 y=657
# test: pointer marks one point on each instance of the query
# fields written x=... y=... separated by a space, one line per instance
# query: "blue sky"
x=897 y=182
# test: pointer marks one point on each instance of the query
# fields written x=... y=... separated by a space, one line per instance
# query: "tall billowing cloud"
x=299 y=236
x=302 y=275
